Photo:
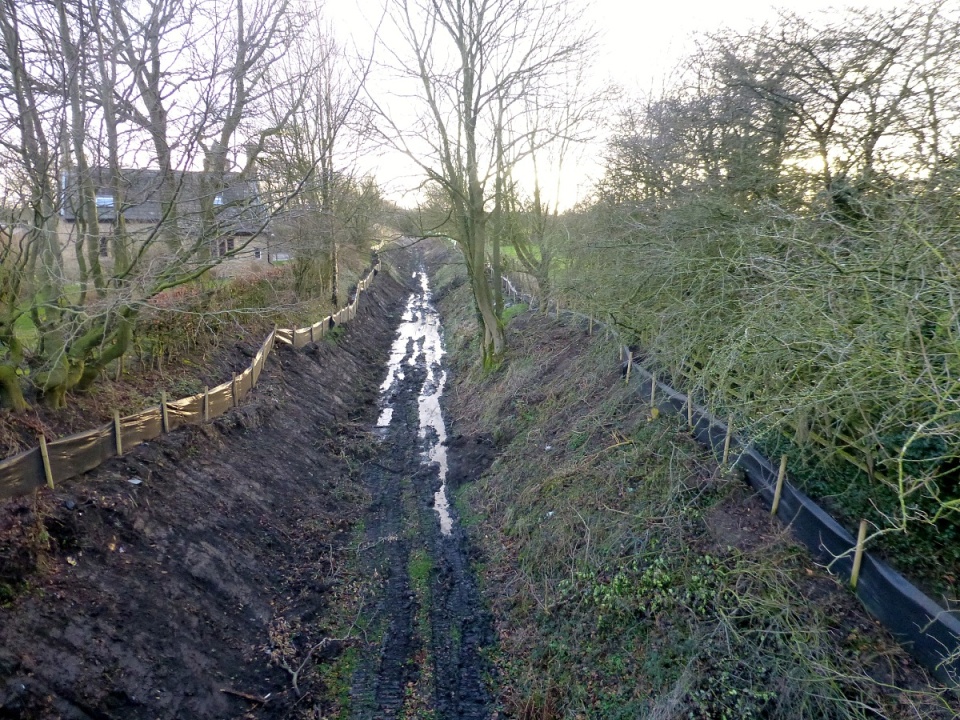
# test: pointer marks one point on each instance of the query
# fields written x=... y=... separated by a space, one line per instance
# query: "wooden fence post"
x=116 y=432
x=690 y=411
x=206 y=403
x=233 y=391
x=858 y=555
x=45 y=454
x=653 y=391
x=726 y=441
x=164 y=416
x=781 y=476
x=629 y=363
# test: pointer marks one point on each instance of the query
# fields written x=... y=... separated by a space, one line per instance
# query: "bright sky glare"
x=640 y=43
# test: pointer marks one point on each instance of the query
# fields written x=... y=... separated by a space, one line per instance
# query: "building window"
x=104 y=247
x=226 y=245
x=218 y=200
x=104 y=202
x=257 y=254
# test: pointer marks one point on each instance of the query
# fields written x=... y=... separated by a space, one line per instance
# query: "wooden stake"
x=726 y=441
x=781 y=476
x=206 y=403
x=653 y=391
x=629 y=364
x=858 y=555
x=590 y=329
x=311 y=334
x=164 y=417
x=45 y=454
x=233 y=391
x=116 y=432
x=690 y=411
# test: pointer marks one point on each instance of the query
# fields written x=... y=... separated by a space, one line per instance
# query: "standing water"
x=419 y=335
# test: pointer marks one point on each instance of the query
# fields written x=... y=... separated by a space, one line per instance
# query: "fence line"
x=927 y=630
x=52 y=462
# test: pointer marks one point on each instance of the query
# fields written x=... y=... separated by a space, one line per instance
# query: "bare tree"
x=528 y=218
x=315 y=96
x=89 y=87
x=470 y=65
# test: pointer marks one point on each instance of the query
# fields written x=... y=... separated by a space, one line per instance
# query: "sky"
x=640 y=44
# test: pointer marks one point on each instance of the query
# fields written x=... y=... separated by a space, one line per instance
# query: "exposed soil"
x=206 y=575
x=217 y=572
x=432 y=624
x=163 y=599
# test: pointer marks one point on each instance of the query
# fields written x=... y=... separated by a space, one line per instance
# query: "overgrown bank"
x=628 y=575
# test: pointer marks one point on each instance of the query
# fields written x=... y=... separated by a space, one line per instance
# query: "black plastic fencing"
x=924 y=628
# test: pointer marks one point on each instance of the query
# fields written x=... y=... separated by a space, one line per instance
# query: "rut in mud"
x=431 y=624
x=209 y=588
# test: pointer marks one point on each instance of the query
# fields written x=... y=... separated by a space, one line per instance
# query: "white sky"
x=640 y=43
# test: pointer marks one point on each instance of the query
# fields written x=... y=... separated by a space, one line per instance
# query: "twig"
x=247 y=696
x=346 y=639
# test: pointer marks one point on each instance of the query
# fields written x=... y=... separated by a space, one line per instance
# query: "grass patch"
x=420 y=568
x=512 y=311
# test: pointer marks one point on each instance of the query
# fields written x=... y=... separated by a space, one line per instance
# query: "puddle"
x=419 y=336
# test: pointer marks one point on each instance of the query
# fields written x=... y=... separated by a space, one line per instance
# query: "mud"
x=431 y=622
x=202 y=575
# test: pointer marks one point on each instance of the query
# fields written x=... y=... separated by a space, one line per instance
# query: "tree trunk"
x=10 y=388
x=493 y=344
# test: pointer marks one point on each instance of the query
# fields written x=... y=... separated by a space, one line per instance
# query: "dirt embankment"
x=192 y=577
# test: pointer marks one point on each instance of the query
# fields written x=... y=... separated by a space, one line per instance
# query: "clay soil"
x=425 y=611
x=192 y=577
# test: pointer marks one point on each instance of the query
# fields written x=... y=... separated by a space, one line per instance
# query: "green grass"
x=420 y=569
x=512 y=311
x=337 y=677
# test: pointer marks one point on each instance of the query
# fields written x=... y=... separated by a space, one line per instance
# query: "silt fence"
x=52 y=462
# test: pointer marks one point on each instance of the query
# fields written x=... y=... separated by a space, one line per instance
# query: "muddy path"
x=425 y=658
x=207 y=575
x=197 y=576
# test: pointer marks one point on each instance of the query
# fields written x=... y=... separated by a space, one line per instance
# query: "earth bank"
x=193 y=577
x=285 y=561
x=631 y=577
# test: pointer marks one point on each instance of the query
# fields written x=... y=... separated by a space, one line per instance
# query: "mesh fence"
x=53 y=462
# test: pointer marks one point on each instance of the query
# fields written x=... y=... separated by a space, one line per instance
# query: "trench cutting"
x=420 y=335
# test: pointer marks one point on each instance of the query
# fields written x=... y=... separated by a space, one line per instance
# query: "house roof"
x=237 y=203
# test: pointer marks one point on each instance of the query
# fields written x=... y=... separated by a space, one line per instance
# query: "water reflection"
x=419 y=336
